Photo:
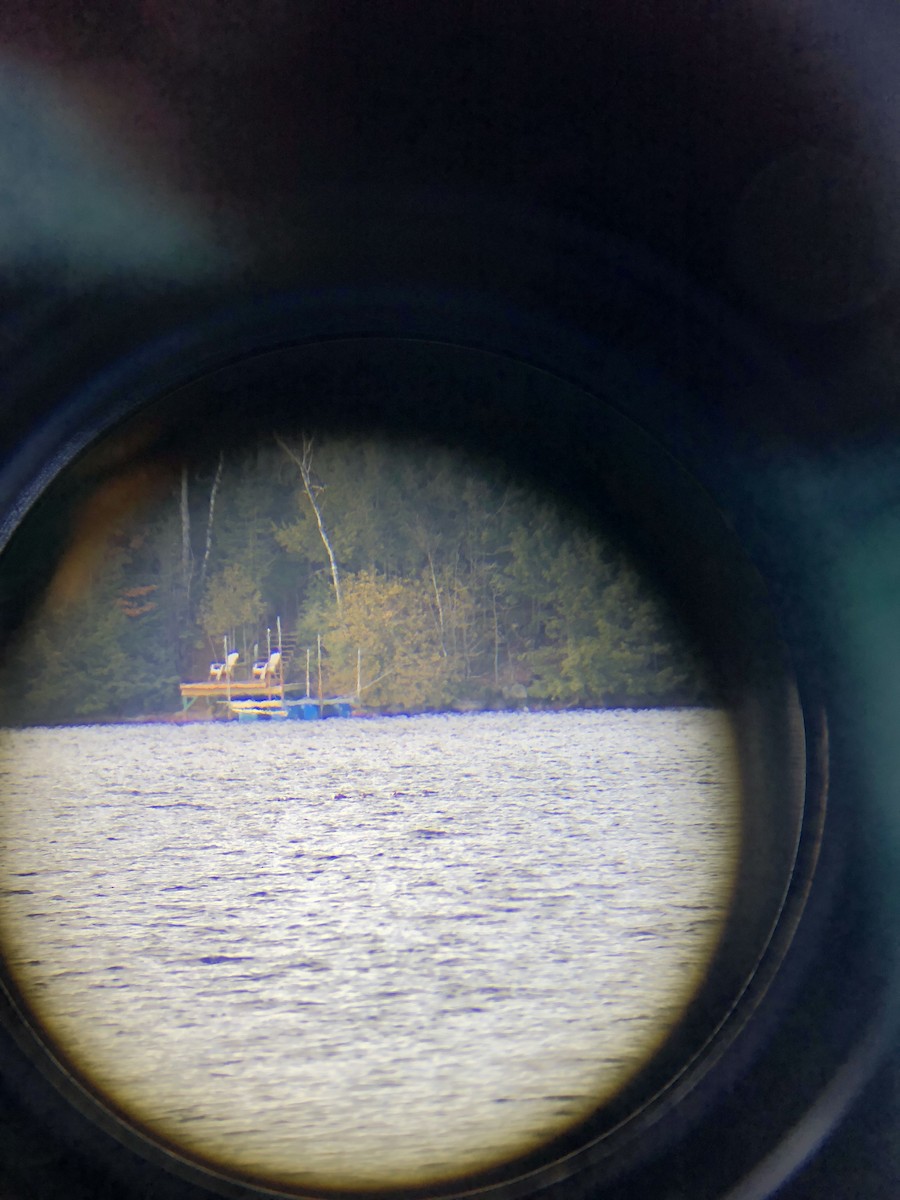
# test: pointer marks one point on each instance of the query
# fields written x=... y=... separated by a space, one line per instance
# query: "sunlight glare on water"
x=373 y=952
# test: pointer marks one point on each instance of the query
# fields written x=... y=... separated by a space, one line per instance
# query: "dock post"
x=280 y=660
x=319 y=667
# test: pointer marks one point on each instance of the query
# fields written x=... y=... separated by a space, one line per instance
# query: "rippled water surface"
x=366 y=951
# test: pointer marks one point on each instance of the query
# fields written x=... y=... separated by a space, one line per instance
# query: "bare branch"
x=304 y=462
x=187 y=556
x=217 y=479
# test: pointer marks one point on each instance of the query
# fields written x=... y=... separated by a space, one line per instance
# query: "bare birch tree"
x=303 y=461
x=213 y=492
x=438 y=602
x=187 y=557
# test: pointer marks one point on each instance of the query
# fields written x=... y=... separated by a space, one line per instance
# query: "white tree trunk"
x=304 y=462
x=213 y=491
x=187 y=558
x=440 y=607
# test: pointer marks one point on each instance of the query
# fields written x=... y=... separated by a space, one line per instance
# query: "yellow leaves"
x=391 y=624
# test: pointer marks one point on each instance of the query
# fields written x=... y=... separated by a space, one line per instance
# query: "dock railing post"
x=280 y=660
x=268 y=660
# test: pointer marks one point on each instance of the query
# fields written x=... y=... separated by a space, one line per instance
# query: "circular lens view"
x=366 y=821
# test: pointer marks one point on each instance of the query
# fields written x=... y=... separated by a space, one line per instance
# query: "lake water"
x=365 y=952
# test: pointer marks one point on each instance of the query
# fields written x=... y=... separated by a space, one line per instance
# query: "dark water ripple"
x=366 y=951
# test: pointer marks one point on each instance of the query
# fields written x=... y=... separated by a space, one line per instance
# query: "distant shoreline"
x=188 y=718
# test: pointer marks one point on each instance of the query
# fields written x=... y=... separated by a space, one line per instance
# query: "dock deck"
x=237 y=690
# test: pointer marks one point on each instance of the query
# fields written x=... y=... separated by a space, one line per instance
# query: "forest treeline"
x=427 y=581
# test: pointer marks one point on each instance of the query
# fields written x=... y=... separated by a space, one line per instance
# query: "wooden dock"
x=251 y=689
x=237 y=689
